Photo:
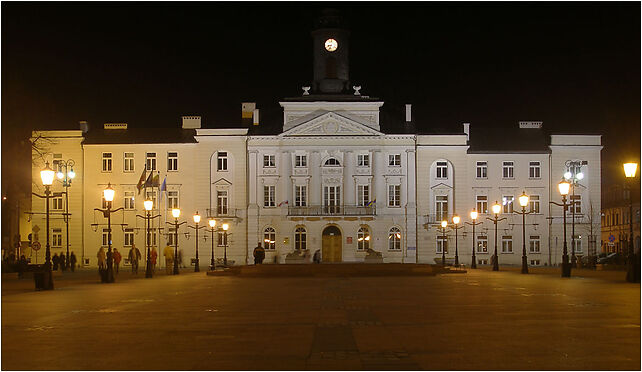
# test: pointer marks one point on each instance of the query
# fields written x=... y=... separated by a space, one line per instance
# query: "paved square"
x=479 y=320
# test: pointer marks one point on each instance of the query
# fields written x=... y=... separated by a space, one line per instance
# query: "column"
x=379 y=185
x=314 y=191
x=411 y=207
x=348 y=179
x=285 y=183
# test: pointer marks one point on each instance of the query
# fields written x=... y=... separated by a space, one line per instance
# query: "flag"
x=163 y=188
x=141 y=181
x=156 y=180
x=150 y=180
x=283 y=202
x=371 y=202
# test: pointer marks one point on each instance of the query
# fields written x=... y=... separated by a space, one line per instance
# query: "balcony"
x=221 y=213
x=436 y=218
x=343 y=210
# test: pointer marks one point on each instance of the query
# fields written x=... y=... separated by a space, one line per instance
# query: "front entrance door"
x=331 y=249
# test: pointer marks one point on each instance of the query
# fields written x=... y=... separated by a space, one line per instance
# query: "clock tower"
x=330 y=46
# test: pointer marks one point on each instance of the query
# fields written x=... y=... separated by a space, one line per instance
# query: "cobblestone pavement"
x=478 y=320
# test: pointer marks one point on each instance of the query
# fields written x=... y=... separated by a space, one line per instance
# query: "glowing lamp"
x=226 y=226
x=71 y=174
x=568 y=175
x=496 y=208
x=212 y=223
x=473 y=215
x=564 y=187
x=197 y=218
x=149 y=204
x=176 y=212
x=444 y=224
x=579 y=176
x=456 y=219
x=47 y=175
x=523 y=199
x=108 y=193
x=630 y=169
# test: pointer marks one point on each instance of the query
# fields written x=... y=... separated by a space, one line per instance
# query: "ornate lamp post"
x=66 y=177
x=149 y=205
x=212 y=224
x=573 y=176
x=108 y=194
x=443 y=243
x=496 y=209
x=523 y=202
x=47 y=176
x=197 y=219
x=456 y=221
x=632 y=265
x=473 y=216
x=564 y=188
x=225 y=228
x=176 y=213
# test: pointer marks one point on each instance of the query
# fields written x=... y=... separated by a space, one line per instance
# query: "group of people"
x=134 y=256
x=60 y=262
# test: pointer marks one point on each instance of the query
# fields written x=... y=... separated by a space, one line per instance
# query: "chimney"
x=467 y=131
x=408 y=112
x=84 y=126
x=191 y=122
x=256 y=117
x=247 y=112
x=530 y=125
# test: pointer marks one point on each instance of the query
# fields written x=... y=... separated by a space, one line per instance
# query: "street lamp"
x=197 y=219
x=456 y=221
x=225 y=228
x=473 y=216
x=149 y=205
x=523 y=202
x=66 y=177
x=496 y=209
x=564 y=187
x=176 y=213
x=573 y=174
x=212 y=224
x=108 y=195
x=443 y=242
x=632 y=264
x=47 y=177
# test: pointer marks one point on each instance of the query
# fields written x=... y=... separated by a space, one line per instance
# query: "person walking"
x=168 y=252
x=55 y=261
x=153 y=255
x=102 y=259
x=317 y=256
x=62 y=262
x=117 y=258
x=134 y=257
x=259 y=254
x=72 y=262
x=22 y=266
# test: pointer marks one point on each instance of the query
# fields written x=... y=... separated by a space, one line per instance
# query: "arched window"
x=269 y=238
x=394 y=239
x=332 y=162
x=300 y=238
x=363 y=238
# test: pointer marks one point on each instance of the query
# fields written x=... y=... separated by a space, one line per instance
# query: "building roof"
x=507 y=140
x=98 y=136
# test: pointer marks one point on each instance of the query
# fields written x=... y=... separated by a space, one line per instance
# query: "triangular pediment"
x=330 y=123
x=222 y=182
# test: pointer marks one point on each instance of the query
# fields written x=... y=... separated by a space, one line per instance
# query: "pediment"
x=331 y=124
x=222 y=182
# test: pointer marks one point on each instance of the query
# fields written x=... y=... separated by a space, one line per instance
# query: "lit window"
x=363 y=238
x=507 y=203
x=269 y=238
x=482 y=244
x=394 y=239
x=106 y=161
x=151 y=195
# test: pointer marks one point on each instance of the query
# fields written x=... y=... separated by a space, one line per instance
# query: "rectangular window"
x=394 y=160
x=482 y=204
x=105 y=237
x=394 y=195
x=172 y=200
x=106 y=161
x=56 y=237
x=534 y=244
x=129 y=200
x=482 y=169
x=171 y=236
x=363 y=195
x=482 y=244
x=56 y=203
x=534 y=203
x=172 y=161
x=534 y=169
x=151 y=195
x=222 y=239
x=128 y=162
x=442 y=243
x=442 y=169
x=507 y=244
x=221 y=202
x=221 y=161
x=507 y=203
x=363 y=160
x=576 y=200
x=300 y=195
x=269 y=196
x=129 y=237
x=577 y=244
x=300 y=161
x=150 y=161
x=441 y=208
x=151 y=239
x=268 y=161
x=508 y=169
x=332 y=199
x=535 y=262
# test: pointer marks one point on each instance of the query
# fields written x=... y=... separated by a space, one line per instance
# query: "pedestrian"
x=102 y=259
x=22 y=266
x=168 y=252
x=72 y=262
x=55 y=261
x=117 y=258
x=134 y=257
x=259 y=254
x=62 y=262
x=317 y=256
x=153 y=257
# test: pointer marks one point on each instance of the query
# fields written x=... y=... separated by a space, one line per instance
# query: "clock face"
x=331 y=45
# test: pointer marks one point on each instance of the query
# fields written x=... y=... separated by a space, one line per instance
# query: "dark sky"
x=574 y=66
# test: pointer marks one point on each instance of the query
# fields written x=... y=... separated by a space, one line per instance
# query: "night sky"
x=575 y=66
